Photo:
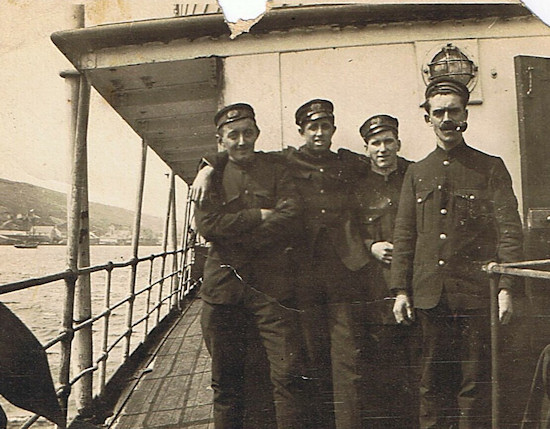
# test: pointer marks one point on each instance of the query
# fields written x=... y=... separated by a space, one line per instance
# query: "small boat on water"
x=25 y=245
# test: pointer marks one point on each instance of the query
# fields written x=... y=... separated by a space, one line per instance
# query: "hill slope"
x=18 y=198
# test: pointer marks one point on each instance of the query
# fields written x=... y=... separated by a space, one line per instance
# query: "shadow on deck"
x=174 y=391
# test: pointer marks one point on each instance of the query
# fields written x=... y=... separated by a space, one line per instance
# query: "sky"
x=34 y=114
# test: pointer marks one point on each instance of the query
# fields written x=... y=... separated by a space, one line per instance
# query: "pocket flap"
x=422 y=196
x=370 y=218
x=471 y=194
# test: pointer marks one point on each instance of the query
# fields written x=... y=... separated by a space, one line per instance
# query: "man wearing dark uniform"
x=250 y=216
x=331 y=282
x=457 y=211
x=387 y=347
x=329 y=272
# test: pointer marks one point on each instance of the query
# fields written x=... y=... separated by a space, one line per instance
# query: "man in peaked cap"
x=329 y=267
x=250 y=216
x=331 y=279
x=387 y=351
x=457 y=211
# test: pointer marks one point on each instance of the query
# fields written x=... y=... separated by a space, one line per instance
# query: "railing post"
x=107 y=318
x=164 y=248
x=495 y=377
x=135 y=249
x=174 y=241
x=83 y=298
x=184 y=245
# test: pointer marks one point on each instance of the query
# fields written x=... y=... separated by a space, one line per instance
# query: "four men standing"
x=337 y=213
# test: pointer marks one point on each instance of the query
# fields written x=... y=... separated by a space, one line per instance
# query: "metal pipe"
x=184 y=244
x=105 y=344
x=174 y=240
x=83 y=294
x=148 y=300
x=73 y=227
x=135 y=248
x=78 y=123
x=495 y=393
x=164 y=247
x=520 y=272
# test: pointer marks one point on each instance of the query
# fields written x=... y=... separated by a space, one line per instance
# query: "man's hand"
x=382 y=250
x=505 y=308
x=403 y=309
x=266 y=213
x=201 y=185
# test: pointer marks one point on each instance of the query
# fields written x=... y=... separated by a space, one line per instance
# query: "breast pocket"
x=472 y=208
x=372 y=224
x=425 y=207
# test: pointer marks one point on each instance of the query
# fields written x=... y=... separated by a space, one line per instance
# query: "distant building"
x=46 y=233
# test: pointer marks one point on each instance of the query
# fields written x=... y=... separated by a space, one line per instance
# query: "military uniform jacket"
x=246 y=251
x=324 y=186
x=457 y=211
x=325 y=183
x=378 y=199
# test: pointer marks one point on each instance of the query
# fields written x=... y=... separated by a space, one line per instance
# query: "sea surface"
x=41 y=307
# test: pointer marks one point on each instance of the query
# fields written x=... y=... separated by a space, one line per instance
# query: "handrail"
x=106 y=344
x=494 y=269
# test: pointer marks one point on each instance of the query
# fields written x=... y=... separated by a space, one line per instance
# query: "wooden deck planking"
x=176 y=393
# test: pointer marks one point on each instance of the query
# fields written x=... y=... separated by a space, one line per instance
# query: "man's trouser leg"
x=455 y=385
x=390 y=377
x=314 y=326
x=224 y=331
x=474 y=396
x=344 y=327
x=279 y=333
x=440 y=370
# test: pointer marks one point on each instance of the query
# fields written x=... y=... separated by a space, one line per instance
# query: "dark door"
x=531 y=326
x=533 y=99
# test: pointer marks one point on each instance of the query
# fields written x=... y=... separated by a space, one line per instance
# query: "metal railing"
x=493 y=269
x=151 y=313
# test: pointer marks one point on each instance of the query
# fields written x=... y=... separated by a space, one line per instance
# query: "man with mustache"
x=457 y=211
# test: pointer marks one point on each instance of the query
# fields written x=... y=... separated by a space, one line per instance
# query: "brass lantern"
x=451 y=62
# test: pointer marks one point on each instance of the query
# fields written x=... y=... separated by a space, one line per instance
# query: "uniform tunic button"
x=322 y=170
x=370 y=219
x=323 y=210
x=246 y=192
x=419 y=200
x=443 y=211
x=322 y=191
x=446 y=162
x=441 y=262
x=390 y=203
x=439 y=187
x=443 y=236
x=472 y=197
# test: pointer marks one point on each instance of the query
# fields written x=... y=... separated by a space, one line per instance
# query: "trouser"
x=224 y=331
x=391 y=371
x=332 y=320
x=455 y=386
x=536 y=414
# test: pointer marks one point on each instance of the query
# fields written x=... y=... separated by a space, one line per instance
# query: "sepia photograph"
x=274 y=215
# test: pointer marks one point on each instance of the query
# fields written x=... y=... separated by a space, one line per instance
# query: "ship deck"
x=174 y=391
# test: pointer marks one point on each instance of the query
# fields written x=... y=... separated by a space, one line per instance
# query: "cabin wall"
x=369 y=76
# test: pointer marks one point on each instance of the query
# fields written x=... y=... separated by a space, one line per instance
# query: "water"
x=40 y=308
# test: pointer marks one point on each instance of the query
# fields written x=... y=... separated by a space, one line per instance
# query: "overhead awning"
x=165 y=76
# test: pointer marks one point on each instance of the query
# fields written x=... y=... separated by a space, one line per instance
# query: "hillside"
x=18 y=198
